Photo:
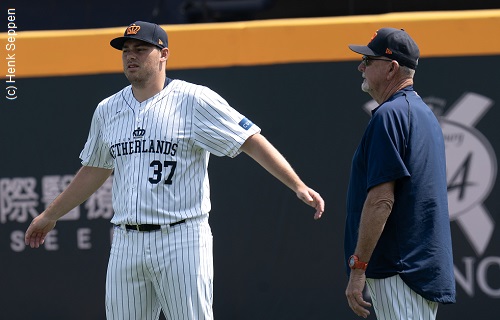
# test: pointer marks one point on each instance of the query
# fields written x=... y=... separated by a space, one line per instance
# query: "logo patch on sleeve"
x=245 y=123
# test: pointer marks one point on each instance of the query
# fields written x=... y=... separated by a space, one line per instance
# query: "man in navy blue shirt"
x=397 y=235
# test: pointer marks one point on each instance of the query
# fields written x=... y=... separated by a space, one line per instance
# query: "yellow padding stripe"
x=80 y=52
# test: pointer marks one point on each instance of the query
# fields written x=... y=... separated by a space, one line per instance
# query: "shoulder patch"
x=245 y=123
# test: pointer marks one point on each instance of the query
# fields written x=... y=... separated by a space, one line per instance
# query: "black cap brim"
x=118 y=43
x=364 y=50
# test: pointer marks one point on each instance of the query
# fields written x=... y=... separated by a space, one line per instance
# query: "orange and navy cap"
x=392 y=43
x=144 y=31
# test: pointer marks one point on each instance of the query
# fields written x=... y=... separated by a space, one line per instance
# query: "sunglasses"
x=367 y=60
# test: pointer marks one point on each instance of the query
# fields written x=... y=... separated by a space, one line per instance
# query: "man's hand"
x=312 y=198
x=354 y=293
x=37 y=231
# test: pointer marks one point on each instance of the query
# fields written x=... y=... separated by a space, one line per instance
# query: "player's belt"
x=150 y=227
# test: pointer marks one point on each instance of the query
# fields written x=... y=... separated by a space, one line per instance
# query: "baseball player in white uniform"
x=156 y=135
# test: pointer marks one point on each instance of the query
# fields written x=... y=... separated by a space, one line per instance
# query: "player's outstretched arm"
x=83 y=185
x=262 y=151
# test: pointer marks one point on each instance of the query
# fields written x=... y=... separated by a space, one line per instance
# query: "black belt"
x=150 y=227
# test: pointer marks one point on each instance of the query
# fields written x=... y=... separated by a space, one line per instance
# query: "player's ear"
x=393 y=69
x=164 y=54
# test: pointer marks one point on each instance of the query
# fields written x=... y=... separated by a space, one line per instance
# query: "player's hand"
x=37 y=231
x=354 y=293
x=312 y=198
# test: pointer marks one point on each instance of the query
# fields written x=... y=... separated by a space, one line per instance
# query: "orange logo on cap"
x=373 y=37
x=160 y=42
x=388 y=51
x=133 y=29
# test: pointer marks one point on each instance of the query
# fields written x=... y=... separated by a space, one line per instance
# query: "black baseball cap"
x=392 y=43
x=144 y=31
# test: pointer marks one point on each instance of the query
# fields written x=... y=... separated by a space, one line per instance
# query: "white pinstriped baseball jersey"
x=159 y=150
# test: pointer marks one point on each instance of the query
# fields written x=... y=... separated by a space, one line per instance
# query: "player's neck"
x=391 y=89
x=145 y=90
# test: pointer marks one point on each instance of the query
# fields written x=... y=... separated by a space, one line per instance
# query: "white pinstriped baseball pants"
x=392 y=299
x=171 y=269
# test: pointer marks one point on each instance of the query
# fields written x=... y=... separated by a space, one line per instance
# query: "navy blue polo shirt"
x=403 y=142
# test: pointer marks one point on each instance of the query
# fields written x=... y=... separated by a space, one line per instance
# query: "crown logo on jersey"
x=133 y=29
x=139 y=132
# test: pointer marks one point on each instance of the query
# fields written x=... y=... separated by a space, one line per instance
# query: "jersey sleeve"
x=385 y=147
x=218 y=128
x=96 y=153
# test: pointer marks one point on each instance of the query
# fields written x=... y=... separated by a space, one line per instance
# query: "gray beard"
x=365 y=87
